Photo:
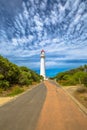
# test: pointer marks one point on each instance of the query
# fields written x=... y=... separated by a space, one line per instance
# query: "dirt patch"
x=80 y=93
x=4 y=100
x=81 y=96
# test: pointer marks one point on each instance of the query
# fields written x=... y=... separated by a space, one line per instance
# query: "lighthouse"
x=42 y=64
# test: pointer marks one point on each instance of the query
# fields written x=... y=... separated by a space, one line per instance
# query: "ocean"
x=52 y=71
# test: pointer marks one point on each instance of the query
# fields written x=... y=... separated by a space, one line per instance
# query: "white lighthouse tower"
x=42 y=64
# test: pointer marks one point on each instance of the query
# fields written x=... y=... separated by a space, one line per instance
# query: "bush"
x=4 y=84
x=24 y=79
x=72 y=77
x=1 y=76
x=81 y=90
x=85 y=80
x=16 y=90
x=11 y=74
x=1 y=90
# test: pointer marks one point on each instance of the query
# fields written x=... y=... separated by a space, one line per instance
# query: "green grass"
x=15 y=91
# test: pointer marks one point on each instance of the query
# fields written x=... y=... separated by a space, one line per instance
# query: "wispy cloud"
x=58 y=27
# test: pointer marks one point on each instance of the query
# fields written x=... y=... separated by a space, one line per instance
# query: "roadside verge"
x=81 y=106
x=5 y=100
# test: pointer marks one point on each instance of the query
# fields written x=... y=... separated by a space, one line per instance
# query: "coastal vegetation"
x=73 y=77
x=12 y=75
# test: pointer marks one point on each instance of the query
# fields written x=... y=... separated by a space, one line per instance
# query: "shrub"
x=24 y=79
x=16 y=90
x=1 y=90
x=85 y=80
x=72 y=77
x=81 y=90
x=11 y=74
x=4 y=84
x=1 y=76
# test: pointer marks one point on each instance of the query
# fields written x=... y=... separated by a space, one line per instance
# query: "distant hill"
x=11 y=74
x=73 y=77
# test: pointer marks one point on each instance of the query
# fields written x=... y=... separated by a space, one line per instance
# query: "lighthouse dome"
x=42 y=51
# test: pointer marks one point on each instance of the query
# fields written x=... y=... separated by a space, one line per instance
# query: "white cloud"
x=25 y=13
x=43 y=5
x=61 y=30
x=50 y=64
x=54 y=17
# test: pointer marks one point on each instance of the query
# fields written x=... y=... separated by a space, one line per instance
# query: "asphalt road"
x=46 y=107
x=23 y=113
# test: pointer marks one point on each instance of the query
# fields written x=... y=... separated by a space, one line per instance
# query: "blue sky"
x=57 y=26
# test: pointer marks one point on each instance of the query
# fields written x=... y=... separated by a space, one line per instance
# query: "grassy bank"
x=15 y=90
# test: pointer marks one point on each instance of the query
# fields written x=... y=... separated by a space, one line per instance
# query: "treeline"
x=73 y=77
x=11 y=74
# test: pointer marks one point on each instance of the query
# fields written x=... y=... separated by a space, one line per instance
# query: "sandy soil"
x=70 y=89
x=81 y=97
x=4 y=100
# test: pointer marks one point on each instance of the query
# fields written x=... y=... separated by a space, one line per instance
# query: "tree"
x=11 y=74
